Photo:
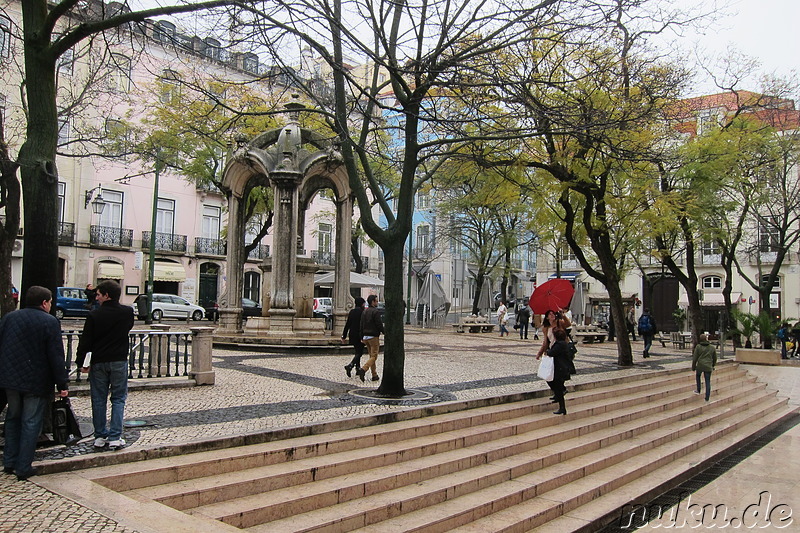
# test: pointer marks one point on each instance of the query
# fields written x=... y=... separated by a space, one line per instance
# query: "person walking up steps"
x=704 y=359
x=353 y=327
x=371 y=329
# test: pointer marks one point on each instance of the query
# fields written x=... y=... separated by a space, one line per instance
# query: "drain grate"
x=673 y=496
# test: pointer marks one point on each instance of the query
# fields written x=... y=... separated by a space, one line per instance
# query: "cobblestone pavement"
x=258 y=391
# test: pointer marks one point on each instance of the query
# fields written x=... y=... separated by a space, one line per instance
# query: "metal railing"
x=107 y=236
x=165 y=241
x=259 y=252
x=151 y=354
x=203 y=245
x=323 y=258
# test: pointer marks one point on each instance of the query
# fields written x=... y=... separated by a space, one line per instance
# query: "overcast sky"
x=766 y=30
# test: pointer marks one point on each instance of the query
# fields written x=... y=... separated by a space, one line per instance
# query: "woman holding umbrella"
x=554 y=323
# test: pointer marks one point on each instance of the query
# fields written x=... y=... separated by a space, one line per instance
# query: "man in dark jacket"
x=31 y=362
x=105 y=335
x=353 y=327
x=371 y=329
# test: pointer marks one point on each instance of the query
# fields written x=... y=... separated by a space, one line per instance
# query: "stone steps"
x=505 y=467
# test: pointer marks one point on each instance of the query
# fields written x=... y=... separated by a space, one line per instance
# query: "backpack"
x=782 y=334
x=645 y=325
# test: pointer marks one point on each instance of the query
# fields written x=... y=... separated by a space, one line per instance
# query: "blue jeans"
x=102 y=377
x=23 y=425
x=708 y=383
x=648 y=342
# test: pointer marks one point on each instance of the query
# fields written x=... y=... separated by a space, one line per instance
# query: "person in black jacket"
x=563 y=368
x=371 y=329
x=105 y=335
x=31 y=362
x=353 y=327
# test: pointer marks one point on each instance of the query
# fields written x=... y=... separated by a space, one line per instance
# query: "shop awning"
x=356 y=280
x=168 y=272
x=108 y=270
x=570 y=276
x=712 y=299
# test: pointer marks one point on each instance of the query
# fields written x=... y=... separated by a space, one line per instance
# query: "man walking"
x=371 y=329
x=31 y=362
x=353 y=327
x=523 y=319
x=105 y=335
x=647 y=329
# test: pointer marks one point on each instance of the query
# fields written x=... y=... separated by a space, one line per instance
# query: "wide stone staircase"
x=506 y=467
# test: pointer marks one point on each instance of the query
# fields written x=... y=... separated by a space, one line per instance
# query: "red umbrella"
x=551 y=295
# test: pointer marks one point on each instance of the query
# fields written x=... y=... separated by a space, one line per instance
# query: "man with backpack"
x=647 y=329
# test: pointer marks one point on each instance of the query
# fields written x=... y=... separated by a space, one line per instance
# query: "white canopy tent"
x=356 y=280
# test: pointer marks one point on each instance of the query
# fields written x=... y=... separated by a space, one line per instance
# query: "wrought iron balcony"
x=323 y=258
x=66 y=233
x=107 y=236
x=364 y=263
x=259 y=252
x=424 y=252
x=203 y=245
x=168 y=242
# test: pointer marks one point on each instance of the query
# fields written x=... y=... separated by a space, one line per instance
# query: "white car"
x=323 y=305
x=171 y=306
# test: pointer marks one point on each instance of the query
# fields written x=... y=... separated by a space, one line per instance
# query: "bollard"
x=201 y=355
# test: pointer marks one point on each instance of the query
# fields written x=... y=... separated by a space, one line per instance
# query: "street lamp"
x=98 y=204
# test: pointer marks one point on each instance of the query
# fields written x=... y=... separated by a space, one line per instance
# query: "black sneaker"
x=360 y=373
x=375 y=378
x=348 y=369
x=8 y=470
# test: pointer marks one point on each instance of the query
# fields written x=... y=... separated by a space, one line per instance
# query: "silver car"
x=171 y=306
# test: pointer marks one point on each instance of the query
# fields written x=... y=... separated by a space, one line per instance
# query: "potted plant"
x=679 y=315
x=766 y=327
x=746 y=326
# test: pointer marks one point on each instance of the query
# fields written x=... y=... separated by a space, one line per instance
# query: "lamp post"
x=98 y=204
x=152 y=251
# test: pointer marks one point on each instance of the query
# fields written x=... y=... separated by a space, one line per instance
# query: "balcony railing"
x=364 y=263
x=323 y=258
x=259 y=252
x=168 y=242
x=66 y=233
x=106 y=236
x=425 y=252
x=203 y=245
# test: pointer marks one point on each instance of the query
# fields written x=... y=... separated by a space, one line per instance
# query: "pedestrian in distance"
x=502 y=317
x=105 y=335
x=32 y=362
x=704 y=359
x=371 y=329
x=784 y=335
x=353 y=328
x=564 y=367
x=523 y=320
x=630 y=322
x=647 y=329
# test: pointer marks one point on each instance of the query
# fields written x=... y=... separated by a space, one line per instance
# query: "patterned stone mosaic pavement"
x=261 y=391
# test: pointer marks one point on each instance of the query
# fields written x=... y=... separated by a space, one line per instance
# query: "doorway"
x=209 y=278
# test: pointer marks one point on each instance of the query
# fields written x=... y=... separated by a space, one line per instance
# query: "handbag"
x=547 y=368
x=65 y=426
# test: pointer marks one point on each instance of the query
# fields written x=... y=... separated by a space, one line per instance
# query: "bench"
x=474 y=327
x=678 y=340
x=661 y=337
x=589 y=335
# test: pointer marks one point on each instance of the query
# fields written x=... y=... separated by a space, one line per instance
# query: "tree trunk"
x=394 y=355
x=8 y=231
x=37 y=156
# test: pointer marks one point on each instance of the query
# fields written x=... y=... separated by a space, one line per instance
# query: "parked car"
x=71 y=301
x=249 y=308
x=511 y=301
x=323 y=305
x=171 y=306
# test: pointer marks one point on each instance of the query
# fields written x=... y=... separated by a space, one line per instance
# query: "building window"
x=66 y=62
x=324 y=239
x=710 y=248
x=164 y=31
x=423 y=200
x=423 y=238
x=119 y=76
x=165 y=216
x=250 y=63
x=765 y=280
x=116 y=131
x=566 y=255
x=212 y=48
x=769 y=238
x=252 y=285
x=170 y=89
x=5 y=37
x=63 y=131
x=712 y=282
x=111 y=217
x=211 y=222
x=62 y=193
